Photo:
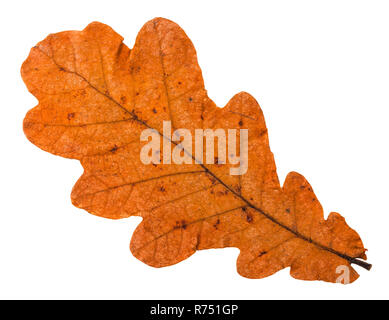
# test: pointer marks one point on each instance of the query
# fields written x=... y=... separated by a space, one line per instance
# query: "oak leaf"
x=96 y=96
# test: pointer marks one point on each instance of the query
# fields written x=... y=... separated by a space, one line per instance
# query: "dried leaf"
x=96 y=96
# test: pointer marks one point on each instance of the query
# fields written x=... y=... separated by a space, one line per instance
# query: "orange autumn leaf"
x=96 y=96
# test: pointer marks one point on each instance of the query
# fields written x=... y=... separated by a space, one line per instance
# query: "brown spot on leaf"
x=263 y=132
x=261 y=254
x=249 y=217
x=114 y=148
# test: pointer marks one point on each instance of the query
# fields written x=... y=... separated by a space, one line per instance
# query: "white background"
x=320 y=71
